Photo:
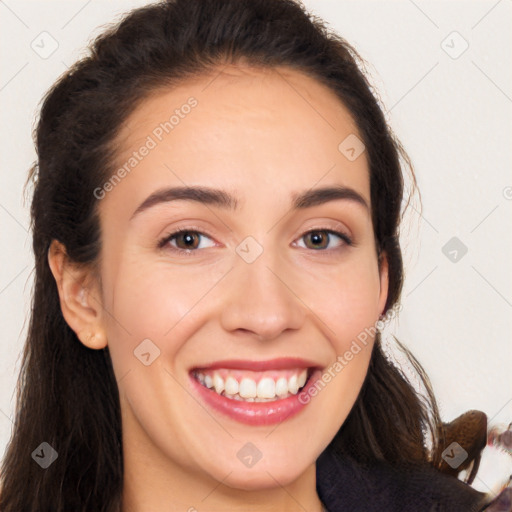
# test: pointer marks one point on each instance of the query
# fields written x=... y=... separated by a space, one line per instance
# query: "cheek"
x=149 y=298
x=346 y=299
x=150 y=301
x=345 y=379
x=354 y=314
x=348 y=307
x=351 y=333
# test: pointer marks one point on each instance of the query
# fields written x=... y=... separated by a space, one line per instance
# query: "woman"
x=215 y=217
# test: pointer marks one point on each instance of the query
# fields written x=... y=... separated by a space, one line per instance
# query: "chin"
x=276 y=471
x=260 y=479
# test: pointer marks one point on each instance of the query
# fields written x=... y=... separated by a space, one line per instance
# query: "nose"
x=261 y=300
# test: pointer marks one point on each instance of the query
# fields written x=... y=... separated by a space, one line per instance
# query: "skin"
x=262 y=135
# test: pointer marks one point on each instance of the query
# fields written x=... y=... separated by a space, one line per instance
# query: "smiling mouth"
x=253 y=386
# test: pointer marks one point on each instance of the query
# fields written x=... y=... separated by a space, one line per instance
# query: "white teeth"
x=302 y=378
x=266 y=388
x=281 y=387
x=231 y=386
x=218 y=383
x=247 y=388
x=292 y=385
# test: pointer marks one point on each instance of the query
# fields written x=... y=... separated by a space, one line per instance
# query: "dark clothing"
x=344 y=486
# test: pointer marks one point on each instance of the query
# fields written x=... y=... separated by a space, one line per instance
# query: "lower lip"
x=255 y=413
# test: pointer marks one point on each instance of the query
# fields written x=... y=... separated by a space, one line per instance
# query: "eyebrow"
x=224 y=200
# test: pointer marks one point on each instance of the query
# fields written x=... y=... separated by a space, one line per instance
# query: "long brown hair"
x=67 y=394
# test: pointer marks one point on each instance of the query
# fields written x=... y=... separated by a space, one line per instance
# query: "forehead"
x=253 y=130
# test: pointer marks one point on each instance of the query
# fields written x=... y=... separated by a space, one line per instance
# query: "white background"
x=453 y=116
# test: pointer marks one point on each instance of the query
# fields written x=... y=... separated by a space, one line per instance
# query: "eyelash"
x=188 y=252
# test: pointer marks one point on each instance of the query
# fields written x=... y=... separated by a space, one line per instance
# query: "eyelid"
x=335 y=227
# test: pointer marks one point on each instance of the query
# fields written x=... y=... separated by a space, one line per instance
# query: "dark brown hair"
x=67 y=394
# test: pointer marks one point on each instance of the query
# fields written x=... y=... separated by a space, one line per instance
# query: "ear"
x=384 y=280
x=80 y=297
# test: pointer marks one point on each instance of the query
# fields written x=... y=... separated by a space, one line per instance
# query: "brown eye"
x=317 y=238
x=189 y=239
x=186 y=241
x=320 y=239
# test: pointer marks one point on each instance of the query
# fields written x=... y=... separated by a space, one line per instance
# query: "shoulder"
x=343 y=485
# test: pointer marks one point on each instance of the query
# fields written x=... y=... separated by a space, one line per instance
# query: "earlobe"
x=384 y=281
x=79 y=295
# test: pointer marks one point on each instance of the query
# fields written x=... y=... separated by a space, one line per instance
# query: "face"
x=260 y=289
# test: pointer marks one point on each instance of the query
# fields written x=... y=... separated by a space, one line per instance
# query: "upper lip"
x=281 y=363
